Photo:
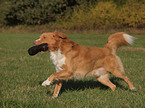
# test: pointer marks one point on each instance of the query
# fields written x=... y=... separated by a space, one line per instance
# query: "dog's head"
x=53 y=39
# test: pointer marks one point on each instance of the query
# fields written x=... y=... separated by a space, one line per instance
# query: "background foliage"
x=74 y=14
x=32 y=12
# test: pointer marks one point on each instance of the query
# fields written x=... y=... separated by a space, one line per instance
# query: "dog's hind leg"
x=116 y=68
x=104 y=79
x=122 y=75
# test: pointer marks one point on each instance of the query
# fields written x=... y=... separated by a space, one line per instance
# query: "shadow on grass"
x=73 y=85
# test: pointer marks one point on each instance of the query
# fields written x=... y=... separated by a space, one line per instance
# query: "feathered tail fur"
x=118 y=39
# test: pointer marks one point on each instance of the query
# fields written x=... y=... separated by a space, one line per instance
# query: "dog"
x=72 y=60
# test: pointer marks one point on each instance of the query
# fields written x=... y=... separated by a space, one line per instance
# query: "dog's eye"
x=44 y=37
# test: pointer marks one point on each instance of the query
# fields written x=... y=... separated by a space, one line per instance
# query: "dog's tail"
x=118 y=39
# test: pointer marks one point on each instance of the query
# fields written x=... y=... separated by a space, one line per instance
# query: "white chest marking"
x=58 y=59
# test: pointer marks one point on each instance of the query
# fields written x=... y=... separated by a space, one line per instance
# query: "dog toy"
x=37 y=48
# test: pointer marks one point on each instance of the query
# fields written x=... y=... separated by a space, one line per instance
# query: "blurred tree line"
x=34 y=12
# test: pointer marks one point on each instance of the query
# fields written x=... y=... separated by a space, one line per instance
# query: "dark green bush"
x=32 y=12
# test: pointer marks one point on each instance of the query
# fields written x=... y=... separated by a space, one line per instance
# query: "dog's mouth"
x=42 y=51
x=45 y=47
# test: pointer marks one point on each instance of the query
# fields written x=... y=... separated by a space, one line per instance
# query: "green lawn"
x=21 y=76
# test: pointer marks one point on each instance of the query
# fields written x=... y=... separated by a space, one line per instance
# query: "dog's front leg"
x=57 y=88
x=62 y=75
x=46 y=82
x=58 y=84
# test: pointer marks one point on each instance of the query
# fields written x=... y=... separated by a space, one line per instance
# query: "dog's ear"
x=60 y=35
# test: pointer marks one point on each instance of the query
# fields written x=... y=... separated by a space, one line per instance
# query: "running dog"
x=72 y=60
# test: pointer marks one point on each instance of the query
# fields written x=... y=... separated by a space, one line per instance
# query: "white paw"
x=133 y=89
x=53 y=97
x=45 y=83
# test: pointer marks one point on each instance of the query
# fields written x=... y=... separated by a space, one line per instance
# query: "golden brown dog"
x=72 y=60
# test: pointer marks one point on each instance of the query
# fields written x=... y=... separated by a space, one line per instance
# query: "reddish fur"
x=84 y=61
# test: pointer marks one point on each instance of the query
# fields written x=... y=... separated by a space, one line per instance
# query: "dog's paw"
x=133 y=89
x=53 y=97
x=46 y=82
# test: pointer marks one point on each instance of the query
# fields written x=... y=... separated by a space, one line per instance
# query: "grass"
x=21 y=76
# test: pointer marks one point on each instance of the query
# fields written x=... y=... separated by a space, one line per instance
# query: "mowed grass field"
x=21 y=76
